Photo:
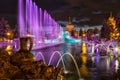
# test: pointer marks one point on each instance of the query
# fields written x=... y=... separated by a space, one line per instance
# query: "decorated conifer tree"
x=114 y=32
x=105 y=31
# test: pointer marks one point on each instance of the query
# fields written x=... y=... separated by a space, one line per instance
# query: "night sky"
x=10 y=6
x=62 y=9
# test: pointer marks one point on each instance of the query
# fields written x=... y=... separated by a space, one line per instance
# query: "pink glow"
x=35 y=22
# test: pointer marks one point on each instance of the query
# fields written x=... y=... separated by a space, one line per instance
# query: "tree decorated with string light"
x=114 y=32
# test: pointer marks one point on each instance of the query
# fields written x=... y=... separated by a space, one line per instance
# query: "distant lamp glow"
x=97 y=34
x=47 y=41
x=116 y=48
x=84 y=48
x=84 y=35
x=9 y=49
x=39 y=42
x=55 y=41
x=66 y=72
x=117 y=34
x=8 y=33
x=28 y=35
x=34 y=44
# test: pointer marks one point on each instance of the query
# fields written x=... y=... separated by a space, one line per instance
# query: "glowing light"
x=9 y=52
x=38 y=23
x=55 y=41
x=9 y=49
x=66 y=72
x=47 y=41
x=84 y=48
x=28 y=35
x=84 y=34
x=116 y=48
x=69 y=39
x=97 y=34
x=34 y=44
x=116 y=65
x=114 y=34
x=83 y=69
x=39 y=42
x=93 y=47
x=84 y=59
x=8 y=33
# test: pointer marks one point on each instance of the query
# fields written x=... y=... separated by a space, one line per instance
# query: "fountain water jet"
x=41 y=56
x=73 y=61
x=60 y=59
x=37 y=23
x=56 y=52
x=21 y=21
x=106 y=46
x=93 y=48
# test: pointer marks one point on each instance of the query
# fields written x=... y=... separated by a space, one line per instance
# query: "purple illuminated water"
x=95 y=67
x=37 y=23
x=21 y=21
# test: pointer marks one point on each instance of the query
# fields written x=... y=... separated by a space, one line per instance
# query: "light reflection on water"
x=91 y=67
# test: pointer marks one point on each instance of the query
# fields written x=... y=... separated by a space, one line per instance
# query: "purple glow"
x=45 y=23
x=34 y=22
x=31 y=18
x=21 y=21
x=40 y=25
x=27 y=15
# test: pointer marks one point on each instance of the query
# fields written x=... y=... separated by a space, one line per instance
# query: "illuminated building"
x=114 y=33
x=69 y=26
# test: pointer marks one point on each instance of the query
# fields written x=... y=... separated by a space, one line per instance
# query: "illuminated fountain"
x=62 y=58
x=107 y=47
x=37 y=56
x=70 y=39
x=110 y=48
x=38 y=24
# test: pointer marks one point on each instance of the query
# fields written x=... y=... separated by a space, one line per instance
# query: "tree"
x=4 y=28
x=114 y=32
x=96 y=31
x=80 y=32
x=90 y=32
x=105 y=30
x=110 y=29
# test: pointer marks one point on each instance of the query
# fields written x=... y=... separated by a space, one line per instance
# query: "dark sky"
x=61 y=9
x=10 y=6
